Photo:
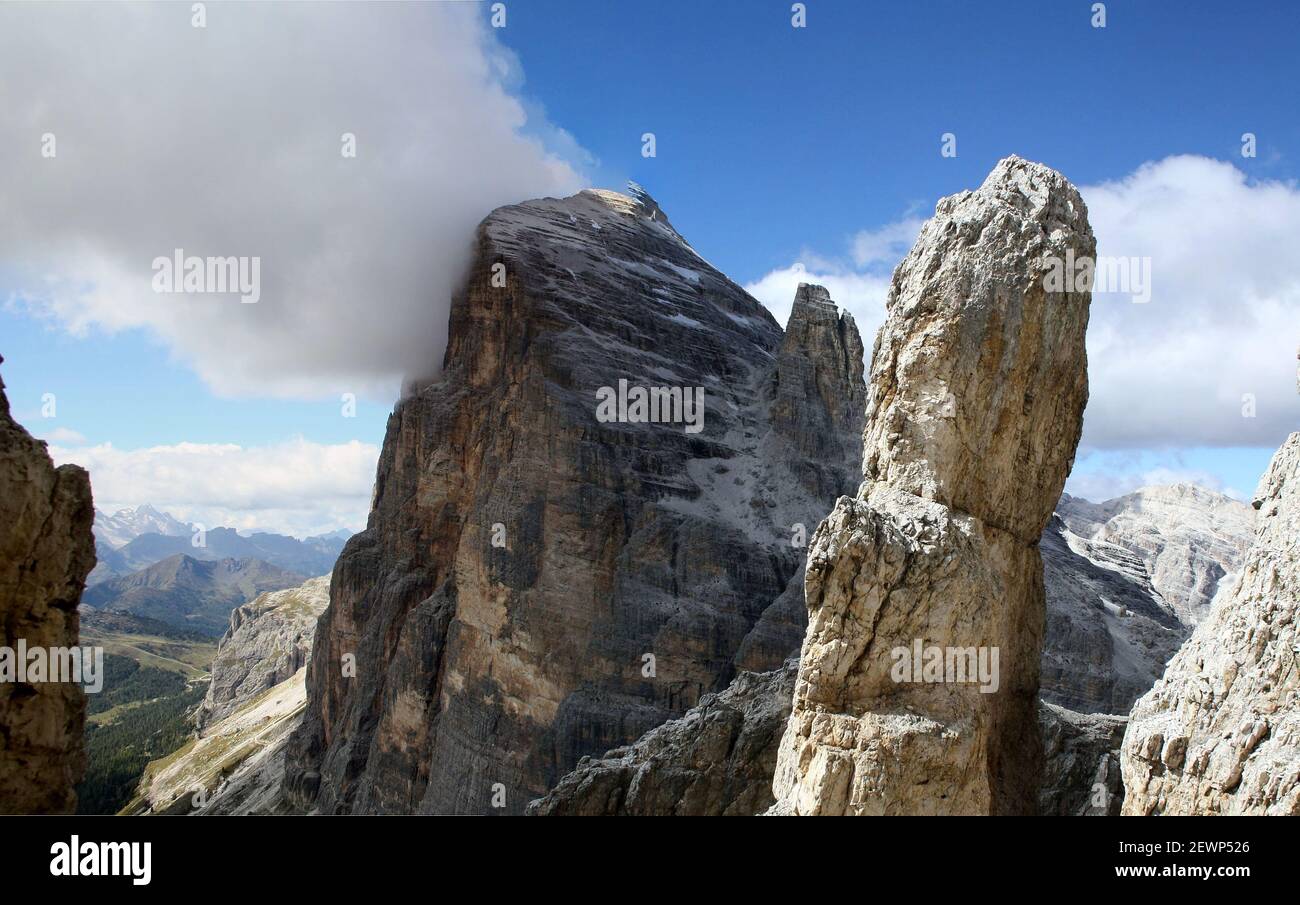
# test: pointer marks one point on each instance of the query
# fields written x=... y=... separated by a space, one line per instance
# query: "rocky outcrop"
x=235 y=763
x=1220 y=732
x=816 y=408
x=719 y=758
x=1081 y=773
x=716 y=761
x=548 y=573
x=975 y=406
x=268 y=641
x=46 y=551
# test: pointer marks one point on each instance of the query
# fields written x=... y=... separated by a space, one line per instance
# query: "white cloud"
x=863 y=294
x=1224 y=315
x=226 y=140
x=61 y=435
x=297 y=487
x=1223 y=320
x=888 y=244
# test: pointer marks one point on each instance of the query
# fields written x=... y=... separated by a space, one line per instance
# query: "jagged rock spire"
x=975 y=405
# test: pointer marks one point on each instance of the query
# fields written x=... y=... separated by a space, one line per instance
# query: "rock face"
x=716 y=761
x=46 y=551
x=1185 y=540
x=1109 y=632
x=1220 y=733
x=546 y=574
x=1127 y=580
x=975 y=405
x=268 y=641
x=1081 y=772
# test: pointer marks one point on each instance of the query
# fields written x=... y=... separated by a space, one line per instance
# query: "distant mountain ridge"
x=133 y=539
x=125 y=525
x=1188 y=539
x=190 y=593
x=1127 y=580
x=313 y=556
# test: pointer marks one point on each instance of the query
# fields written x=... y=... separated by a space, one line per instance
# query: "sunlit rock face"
x=1220 y=732
x=975 y=403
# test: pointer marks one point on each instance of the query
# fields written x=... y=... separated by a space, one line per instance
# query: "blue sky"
x=776 y=147
x=772 y=138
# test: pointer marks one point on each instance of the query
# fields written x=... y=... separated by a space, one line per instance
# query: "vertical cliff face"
x=975 y=405
x=816 y=409
x=547 y=572
x=46 y=551
x=1220 y=732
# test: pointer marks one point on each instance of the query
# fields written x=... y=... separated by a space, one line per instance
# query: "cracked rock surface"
x=46 y=552
x=975 y=403
x=1220 y=732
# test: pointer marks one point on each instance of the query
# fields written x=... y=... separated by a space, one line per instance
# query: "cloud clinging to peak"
x=227 y=141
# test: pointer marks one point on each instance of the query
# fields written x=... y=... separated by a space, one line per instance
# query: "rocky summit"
x=1220 y=732
x=975 y=407
x=46 y=552
x=594 y=517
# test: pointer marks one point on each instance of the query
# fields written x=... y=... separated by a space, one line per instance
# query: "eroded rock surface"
x=1220 y=732
x=975 y=404
x=269 y=640
x=46 y=551
x=1081 y=772
x=525 y=558
x=716 y=761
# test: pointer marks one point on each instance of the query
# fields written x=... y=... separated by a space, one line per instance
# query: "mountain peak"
x=125 y=525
